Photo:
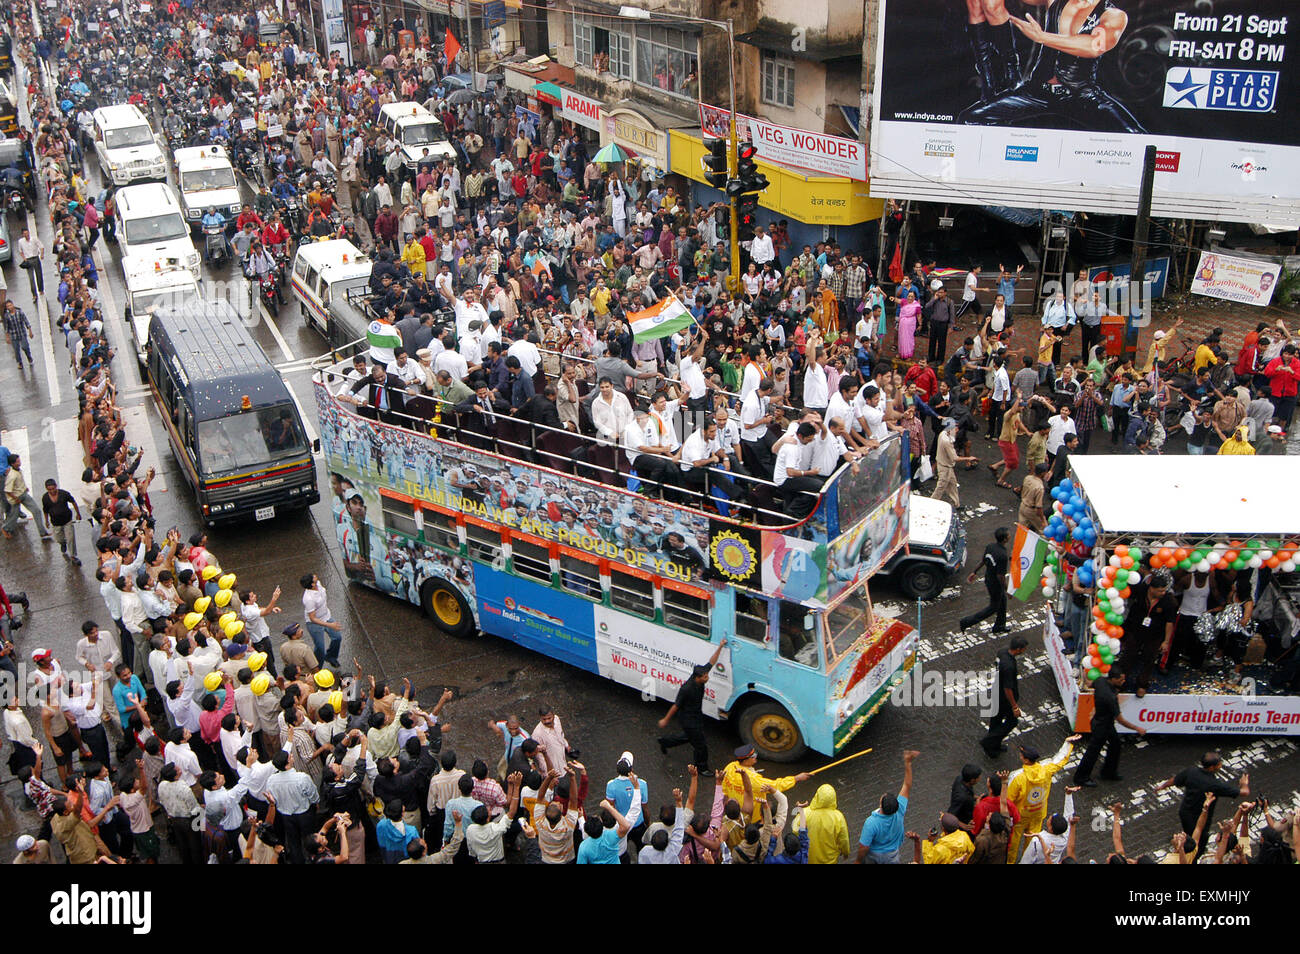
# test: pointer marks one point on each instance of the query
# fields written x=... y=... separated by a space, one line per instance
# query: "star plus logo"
x=1182 y=92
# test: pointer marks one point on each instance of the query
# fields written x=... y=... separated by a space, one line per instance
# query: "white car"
x=207 y=180
x=420 y=134
x=127 y=148
x=151 y=228
x=151 y=285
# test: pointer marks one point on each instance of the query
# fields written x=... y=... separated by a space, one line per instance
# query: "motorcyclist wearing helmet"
x=212 y=219
x=283 y=189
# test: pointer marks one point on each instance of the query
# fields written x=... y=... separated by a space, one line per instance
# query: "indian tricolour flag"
x=665 y=317
x=382 y=338
x=1028 y=554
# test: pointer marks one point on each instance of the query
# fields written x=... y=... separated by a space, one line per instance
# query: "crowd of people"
x=508 y=277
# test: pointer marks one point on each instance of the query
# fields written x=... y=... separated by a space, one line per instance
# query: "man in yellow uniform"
x=1029 y=789
x=733 y=785
x=950 y=849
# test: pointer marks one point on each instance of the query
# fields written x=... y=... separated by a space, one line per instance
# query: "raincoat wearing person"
x=828 y=833
x=1028 y=789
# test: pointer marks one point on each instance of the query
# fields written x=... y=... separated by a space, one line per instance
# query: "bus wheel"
x=448 y=609
x=770 y=729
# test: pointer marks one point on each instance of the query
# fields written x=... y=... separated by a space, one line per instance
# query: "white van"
x=420 y=134
x=126 y=145
x=324 y=273
x=207 y=180
x=151 y=284
x=935 y=551
x=150 y=225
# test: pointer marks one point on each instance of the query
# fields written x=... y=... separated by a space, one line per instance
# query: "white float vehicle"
x=151 y=284
x=150 y=224
x=126 y=145
x=420 y=134
x=207 y=181
x=935 y=551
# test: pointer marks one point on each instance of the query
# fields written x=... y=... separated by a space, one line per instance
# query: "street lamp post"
x=733 y=163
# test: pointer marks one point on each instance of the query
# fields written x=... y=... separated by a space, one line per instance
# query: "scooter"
x=215 y=248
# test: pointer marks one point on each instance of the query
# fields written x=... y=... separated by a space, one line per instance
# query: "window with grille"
x=531 y=560
x=632 y=593
x=778 y=80
x=399 y=515
x=580 y=577
x=440 y=530
x=598 y=45
x=686 y=612
x=751 y=618
x=668 y=60
x=484 y=542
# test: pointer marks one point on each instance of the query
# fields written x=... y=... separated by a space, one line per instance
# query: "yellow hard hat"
x=212 y=681
x=336 y=701
x=225 y=619
x=257 y=661
x=209 y=572
x=233 y=628
x=324 y=678
x=261 y=682
x=202 y=603
x=227 y=581
x=192 y=619
x=222 y=598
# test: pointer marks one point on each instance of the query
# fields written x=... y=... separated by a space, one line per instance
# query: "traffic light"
x=746 y=216
x=715 y=163
x=722 y=217
x=748 y=178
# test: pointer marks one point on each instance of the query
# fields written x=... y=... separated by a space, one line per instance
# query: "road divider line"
x=275 y=331
x=302 y=413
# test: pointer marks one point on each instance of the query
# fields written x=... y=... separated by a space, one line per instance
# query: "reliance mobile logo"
x=1021 y=154
x=1244 y=91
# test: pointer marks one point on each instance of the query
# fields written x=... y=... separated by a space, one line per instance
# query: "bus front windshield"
x=249 y=439
x=422 y=134
x=208 y=180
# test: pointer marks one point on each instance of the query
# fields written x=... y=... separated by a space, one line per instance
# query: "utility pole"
x=733 y=165
x=1137 y=268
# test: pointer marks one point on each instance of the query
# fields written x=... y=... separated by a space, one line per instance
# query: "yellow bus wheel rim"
x=776 y=733
x=446 y=608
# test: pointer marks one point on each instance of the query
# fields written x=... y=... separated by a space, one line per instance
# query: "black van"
x=232 y=423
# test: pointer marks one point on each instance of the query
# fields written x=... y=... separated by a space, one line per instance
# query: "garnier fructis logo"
x=90 y=908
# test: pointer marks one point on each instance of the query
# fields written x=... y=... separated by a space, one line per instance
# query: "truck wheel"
x=922 y=581
x=447 y=607
x=772 y=731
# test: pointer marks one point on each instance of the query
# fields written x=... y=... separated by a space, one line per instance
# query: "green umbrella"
x=611 y=153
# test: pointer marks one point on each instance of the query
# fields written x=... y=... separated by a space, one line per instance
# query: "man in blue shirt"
x=883 y=832
x=603 y=844
x=626 y=791
x=1007 y=284
x=127 y=688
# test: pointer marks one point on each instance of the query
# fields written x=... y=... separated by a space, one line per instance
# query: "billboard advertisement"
x=1247 y=280
x=1052 y=103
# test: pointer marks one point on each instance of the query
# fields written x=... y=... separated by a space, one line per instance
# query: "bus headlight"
x=194 y=259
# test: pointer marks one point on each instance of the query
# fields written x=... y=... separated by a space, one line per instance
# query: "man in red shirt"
x=386 y=227
x=91 y=223
x=992 y=802
x=247 y=215
x=922 y=375
x=274 y=232
x=1283 y=374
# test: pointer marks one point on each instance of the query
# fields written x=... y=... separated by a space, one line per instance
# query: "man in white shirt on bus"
x=610 y=412
x=690 y=369
x=646 y=452
x=754 y=418
x=701 y=458
x=404 y=369
x=663 y=414
x=525 y=349
x=729 y=438
x=467 y=309
x=815 y=387
x=799 y=486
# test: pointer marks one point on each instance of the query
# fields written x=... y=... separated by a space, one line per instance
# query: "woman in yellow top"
x=1237 y=443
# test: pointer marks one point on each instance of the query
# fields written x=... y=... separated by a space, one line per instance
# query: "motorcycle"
x=215 y=248
x=269 y=293
x=15 y=202
x=281 y=255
